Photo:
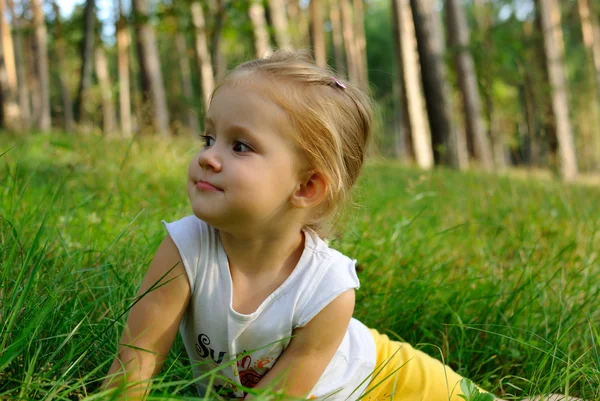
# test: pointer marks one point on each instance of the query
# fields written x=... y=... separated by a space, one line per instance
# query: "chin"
x=205 y=217
x=199 y=213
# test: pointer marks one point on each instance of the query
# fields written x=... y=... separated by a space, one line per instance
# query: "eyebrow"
x=236 y=129
x=242 y=131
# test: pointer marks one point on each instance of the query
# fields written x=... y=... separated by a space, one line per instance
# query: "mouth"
x=207 y=186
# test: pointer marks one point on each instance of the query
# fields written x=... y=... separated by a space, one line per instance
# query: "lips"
x=206 y=186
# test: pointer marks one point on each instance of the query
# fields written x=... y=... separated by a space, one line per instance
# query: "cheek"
x=288 y=173
x=193 y=163
x=190 y=190
x=254 y=183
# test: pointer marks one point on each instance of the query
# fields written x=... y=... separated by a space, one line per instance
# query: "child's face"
x=249 y=167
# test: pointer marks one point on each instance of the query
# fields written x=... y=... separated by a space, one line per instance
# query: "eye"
x=208 y=140
x=241 y=147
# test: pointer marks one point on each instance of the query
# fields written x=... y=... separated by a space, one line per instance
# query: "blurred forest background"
x=499 y=277
x=464 y=83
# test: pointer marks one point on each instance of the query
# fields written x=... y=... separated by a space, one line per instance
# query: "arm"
x=311 y=349
x=152 y=323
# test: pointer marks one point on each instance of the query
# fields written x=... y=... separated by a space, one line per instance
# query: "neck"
x=264 y=253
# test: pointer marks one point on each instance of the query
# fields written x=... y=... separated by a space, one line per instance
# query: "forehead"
x=247 y=102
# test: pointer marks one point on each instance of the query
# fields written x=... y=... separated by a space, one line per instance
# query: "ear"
x=310 y=192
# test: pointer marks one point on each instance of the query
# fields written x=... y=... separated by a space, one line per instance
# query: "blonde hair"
x=332 y=120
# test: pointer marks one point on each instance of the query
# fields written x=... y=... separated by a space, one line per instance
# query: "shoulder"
x=166 y=268
x=331 y=264
x=189 y=232
x=196 y=242
x=331 y=322
x=331 y=276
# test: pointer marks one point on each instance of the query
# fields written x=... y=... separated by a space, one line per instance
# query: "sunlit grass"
x=499 y=277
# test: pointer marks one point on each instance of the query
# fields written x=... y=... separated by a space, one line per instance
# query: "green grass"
x=499 y=277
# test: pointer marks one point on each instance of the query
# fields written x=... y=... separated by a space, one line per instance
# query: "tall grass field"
x=498 y=277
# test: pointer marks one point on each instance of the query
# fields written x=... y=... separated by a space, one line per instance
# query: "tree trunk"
x=280 y=24
x=32 y=79
x=256 y=12
x=186 y=83
x=87 y=61
x=123 y=41
x=448 y=146
x=298 y=24
x=591 y=39
x=484 y=22
x=360 y=43
x=544 y=117
x=402 y=126
x=63 y=73
x=139 y=110
x=152 y=80
x=349 y=42
x=108 y=109
x=549 y=13
x=467 y=80
x=317 y=33
x=23 y=93
x=11 y=112
x=480 y=17
x=219 y=63
x=40 y=55
x=529 y=117
x=591 y=36
x=202 y=54
x=409 y=78
x=337 y=36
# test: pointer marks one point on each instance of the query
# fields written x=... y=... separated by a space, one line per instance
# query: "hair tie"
x=338 y=83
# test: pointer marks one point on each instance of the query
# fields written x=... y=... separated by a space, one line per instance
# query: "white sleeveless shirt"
x=242 y=348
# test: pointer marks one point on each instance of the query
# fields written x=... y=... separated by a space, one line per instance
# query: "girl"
x=255 y=292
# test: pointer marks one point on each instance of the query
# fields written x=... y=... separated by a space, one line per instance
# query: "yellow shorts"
x=406 y=374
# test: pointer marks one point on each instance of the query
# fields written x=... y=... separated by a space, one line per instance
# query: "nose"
x=208 y=159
